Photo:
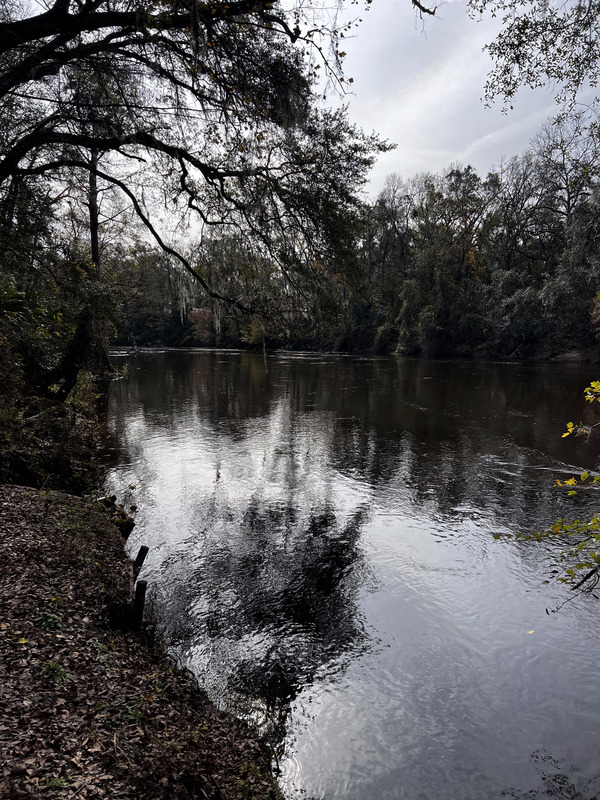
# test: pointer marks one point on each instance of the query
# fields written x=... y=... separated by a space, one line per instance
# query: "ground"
x=87 y=711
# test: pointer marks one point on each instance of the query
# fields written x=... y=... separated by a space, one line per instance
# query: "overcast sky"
x=419 y=84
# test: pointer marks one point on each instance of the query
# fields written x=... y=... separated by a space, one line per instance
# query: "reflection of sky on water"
x=321 y=545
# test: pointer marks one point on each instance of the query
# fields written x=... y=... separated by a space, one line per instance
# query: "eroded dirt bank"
x=87 y=711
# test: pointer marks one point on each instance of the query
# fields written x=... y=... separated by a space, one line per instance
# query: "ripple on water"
x=321 y=538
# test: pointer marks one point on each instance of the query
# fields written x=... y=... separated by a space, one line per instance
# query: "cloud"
x=419 y=84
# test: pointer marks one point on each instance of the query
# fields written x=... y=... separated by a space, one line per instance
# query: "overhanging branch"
x=58 y=22
x=424 y=9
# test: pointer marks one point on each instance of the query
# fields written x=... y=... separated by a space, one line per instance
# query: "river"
x=322 y=553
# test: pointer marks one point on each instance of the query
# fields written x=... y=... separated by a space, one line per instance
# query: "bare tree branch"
x=424 y=9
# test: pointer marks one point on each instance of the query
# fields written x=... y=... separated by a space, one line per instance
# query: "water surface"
x=321 y=533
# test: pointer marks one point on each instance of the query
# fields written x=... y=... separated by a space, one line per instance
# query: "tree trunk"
x=93 y=207
x=65 y=374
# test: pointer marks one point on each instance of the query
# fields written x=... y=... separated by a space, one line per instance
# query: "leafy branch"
x=591 y=394
x=579 y=561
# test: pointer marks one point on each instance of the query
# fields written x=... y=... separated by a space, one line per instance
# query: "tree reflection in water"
x=266 y=490
x=261 y=616
x=558 y=782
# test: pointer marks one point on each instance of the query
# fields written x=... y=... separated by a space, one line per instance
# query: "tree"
x=196 y=113
x=206 y=107
x=543 y=43
x=501 y=265
x=437 y=290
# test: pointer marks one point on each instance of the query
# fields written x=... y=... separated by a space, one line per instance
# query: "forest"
x=451 y=264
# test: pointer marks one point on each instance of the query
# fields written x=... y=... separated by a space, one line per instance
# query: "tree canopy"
x=187 y=108
x=543 y=43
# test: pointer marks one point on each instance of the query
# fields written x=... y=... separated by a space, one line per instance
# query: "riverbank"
x=87 y=711
x=583 y=355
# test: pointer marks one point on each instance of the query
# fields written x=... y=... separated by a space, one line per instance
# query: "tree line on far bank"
x=451 y=264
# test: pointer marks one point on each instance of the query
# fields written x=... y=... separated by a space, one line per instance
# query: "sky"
x=419 y=83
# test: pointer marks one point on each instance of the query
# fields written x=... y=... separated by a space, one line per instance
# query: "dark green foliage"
x=46 y=324
x=506 y=266
x=386 y=339
x=442 y=265
x=148 y=313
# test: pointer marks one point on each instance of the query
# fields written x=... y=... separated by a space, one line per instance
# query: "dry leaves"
x=87 y=712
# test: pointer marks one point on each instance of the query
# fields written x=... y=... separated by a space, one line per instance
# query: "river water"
x=321 y=533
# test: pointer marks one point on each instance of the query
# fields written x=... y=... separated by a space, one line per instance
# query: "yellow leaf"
x=566 y=434
x=22 y=640
x=530 y=631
